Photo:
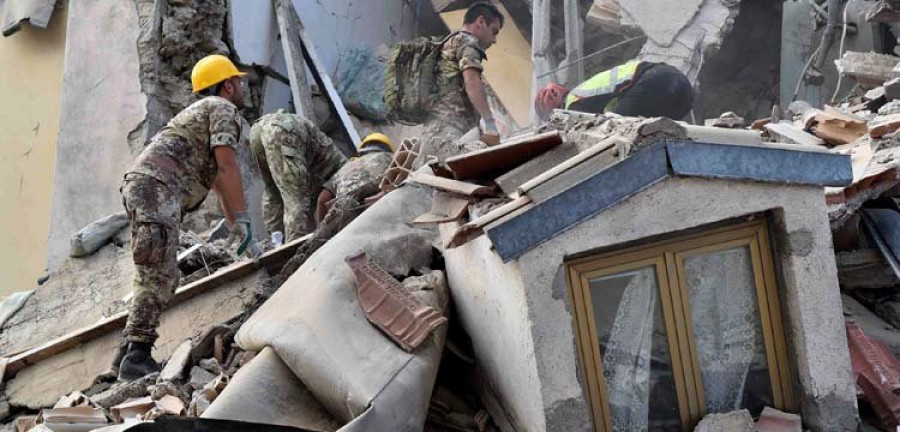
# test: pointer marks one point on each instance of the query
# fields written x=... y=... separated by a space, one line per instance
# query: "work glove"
x=491 y=135
x=242 y=232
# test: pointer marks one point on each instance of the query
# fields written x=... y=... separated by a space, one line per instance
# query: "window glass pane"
x=727 y=330
x=634 y=350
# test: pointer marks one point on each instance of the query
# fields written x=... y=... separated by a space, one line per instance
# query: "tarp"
x=13 y=12
x=315 y=325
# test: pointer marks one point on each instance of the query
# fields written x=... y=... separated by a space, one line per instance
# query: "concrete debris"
x=836 y=128
x=788 y=133
x=892 y=89
x=177 y=363
x=200 y=377
x=605 y=14
x=864 y=269
x=735 y=421
x=92 y=237
x=869 y=69
x=875 y=93
x=892 y=107
x=773 y=420
x=122 y=392
x=727 y=120
x=211 y=365
x=13 y=304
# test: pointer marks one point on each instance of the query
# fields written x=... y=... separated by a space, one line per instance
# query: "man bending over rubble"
x=635 y=89
x=462 y=99
x=295 y=159
x=194 y=152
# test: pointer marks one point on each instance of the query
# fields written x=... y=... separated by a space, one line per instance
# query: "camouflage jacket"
x=181 y=154
x=460 y=52
x=368 y=168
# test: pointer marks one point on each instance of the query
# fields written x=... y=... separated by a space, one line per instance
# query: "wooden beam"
x=271 y=261
x=574 y=43
x=325 y=84
x=293 y=55
x=540 y=47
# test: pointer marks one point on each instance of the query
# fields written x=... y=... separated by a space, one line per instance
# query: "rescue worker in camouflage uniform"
x=462 y=99
x=362 y=172
x=193 y=153
x=345 y=196
x=295 y=159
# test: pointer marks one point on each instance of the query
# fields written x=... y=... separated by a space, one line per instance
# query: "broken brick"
x=877 y=374
x=392 y=308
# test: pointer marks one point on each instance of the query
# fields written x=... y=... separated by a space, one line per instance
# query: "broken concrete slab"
x=41 y=383
x=788 y=133
x=200 y=377
x=735 y=421
x=79 y=293
x=892 y=89
x=869 y=69
x=175 y=366
x=727 y=120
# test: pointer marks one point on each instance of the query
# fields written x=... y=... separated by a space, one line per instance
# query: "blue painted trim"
x=591 y=196
x=727 y=161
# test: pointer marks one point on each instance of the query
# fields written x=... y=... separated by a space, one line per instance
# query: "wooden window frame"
x=667 y=256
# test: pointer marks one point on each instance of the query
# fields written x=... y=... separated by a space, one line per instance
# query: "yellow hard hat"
x=377 y=137
x=211 y=70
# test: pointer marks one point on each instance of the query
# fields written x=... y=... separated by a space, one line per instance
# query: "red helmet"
x=548 y=98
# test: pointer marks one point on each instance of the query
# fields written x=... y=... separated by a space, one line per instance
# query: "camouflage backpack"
x=410 y=86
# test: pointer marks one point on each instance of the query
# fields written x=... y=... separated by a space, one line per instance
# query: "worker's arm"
x=478 y=96
x=323 y=203
x=228 y=183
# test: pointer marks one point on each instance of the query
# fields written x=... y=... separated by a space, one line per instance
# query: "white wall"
x=490 y=300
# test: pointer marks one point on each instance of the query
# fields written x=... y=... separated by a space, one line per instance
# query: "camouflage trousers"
x=441 y=139
x=155 y=213
x=288 y=195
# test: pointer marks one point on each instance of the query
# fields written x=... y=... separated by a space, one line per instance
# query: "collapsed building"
x=594 y=272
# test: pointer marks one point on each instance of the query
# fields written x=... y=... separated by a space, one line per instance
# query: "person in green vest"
x=636 y=89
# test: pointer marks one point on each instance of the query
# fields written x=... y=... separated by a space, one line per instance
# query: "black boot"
x=137 y=362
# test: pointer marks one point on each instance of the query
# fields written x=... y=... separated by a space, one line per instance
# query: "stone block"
x=174 y=369
x=735 y=421
x=773 y=420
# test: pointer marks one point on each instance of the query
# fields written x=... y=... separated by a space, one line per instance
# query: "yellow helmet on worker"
x=211 y=70
x=373 y=139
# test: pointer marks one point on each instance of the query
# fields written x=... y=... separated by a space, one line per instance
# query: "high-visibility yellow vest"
x=604 y=83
